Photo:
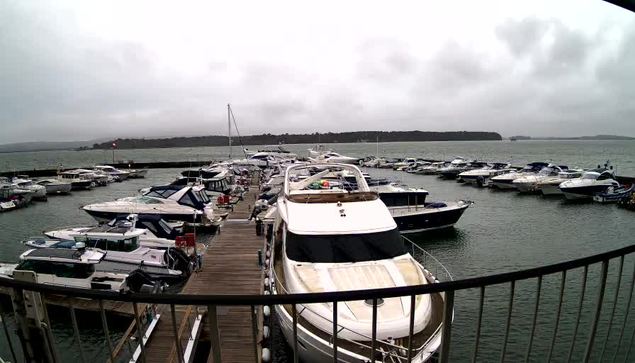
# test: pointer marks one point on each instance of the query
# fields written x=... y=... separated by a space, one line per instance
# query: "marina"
x=231 y=266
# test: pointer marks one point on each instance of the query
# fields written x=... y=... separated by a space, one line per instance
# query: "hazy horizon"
x=74 y=71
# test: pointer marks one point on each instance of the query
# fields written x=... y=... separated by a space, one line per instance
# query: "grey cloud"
x=522 y=36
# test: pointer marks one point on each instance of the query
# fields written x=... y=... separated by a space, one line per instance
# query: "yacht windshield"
x=591 y=176
x=144 y=200
x=344 y=248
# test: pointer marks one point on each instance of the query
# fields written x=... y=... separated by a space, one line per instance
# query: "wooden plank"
x=230 y=267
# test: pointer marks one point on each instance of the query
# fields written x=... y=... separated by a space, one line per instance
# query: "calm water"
x=502 y=231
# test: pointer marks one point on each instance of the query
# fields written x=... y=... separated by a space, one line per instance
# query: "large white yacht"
x=72 y=268
x=590 y=183
x=119 y=175
x=506 y=181
x=549 y=186
x=158 y=233
x=482 y=177
x=124 y=253
x=332 y=157
x=529 y=183
x=22 y=182
x=330 y=239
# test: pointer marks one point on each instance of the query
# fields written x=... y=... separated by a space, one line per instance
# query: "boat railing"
x=600 y=286
x=429 y=262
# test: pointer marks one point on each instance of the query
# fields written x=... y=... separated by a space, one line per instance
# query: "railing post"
x=533 y=323
x=598 y=311
x=76 y=328
x=177 y=338
x=104 y=323
x=140 y=333
x=335 y=331
x=374 y=331
x=628 y=309
x=446 y=334
x=214 y=333
x=617 y=293
x=254 y=331
x=413 y=301
x=558 y=311
x=296 y=355
x=479 y=323
x=580 y=305
x=6 y=333
x=509 y=319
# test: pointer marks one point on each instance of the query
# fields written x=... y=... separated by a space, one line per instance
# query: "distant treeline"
x=269 y=139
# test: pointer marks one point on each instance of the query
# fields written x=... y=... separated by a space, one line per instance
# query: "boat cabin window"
x=605 y=176
x=186 y=200
x=143 y=200
x=122 y=245
x=165 y=193
x=590 y=176
x=344 y=248
x=402 y=199
x=59 y=269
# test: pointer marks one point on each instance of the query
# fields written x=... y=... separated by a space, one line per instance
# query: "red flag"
x=114 y=144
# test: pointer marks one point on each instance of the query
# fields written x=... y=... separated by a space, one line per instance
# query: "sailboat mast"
x=229 y=129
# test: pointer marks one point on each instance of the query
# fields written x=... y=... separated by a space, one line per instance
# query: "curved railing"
x=448 y=288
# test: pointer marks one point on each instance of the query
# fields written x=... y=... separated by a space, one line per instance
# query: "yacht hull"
x=82 y=185
x=504 y=184
x=585 y=192
x=107 y=216
x=424 y=219
x=58 y=189
x=548 y=189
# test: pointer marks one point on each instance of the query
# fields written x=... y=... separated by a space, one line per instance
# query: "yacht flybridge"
x=331 y=239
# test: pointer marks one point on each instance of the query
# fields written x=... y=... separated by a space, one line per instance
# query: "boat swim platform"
x=230 y=266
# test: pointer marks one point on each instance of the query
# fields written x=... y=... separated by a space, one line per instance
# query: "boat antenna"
x=240 y=139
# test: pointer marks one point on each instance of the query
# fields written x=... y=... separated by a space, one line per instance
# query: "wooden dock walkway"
x=230 y=266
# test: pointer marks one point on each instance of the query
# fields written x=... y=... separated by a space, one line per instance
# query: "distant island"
x=596 y=137
x=314 y=138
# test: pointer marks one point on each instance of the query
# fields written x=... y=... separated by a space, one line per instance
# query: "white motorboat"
x=432 y=169
x=452 y=171
x=590 y=183
x=165 y=208
x=118 y=175
x=549 y=186
x=124 y=253
x=330 y=239
x=79 y=179
x=482 y=177
x=405 y=163
x=529 y=183
x=331 y=157
x=22 y=182
x=266 y=157
x=56 y=186
x=413 y=169
x=506 y=181
x=73 y=268
x=158 y=233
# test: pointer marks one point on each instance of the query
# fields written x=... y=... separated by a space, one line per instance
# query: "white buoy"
x=265 y=332
x=266 y=310
x=266 y=355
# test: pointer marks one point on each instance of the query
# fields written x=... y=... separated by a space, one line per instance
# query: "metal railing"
x=22 y=290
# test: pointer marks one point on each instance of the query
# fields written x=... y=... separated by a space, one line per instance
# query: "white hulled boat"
x=506 y=181
x=56 y=186
x=482 y=177
x=529 y=183
x=329 y=239
x=549 y=186
x=590 y=183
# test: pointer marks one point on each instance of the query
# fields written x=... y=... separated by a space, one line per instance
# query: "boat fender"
x=266 y=310
x=265 y=332
x=268 y=254
x=267 y=292
x=267 y=283
x=266 y=355
x=267 y=262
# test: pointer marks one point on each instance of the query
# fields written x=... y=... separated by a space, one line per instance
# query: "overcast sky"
x=78 y=70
